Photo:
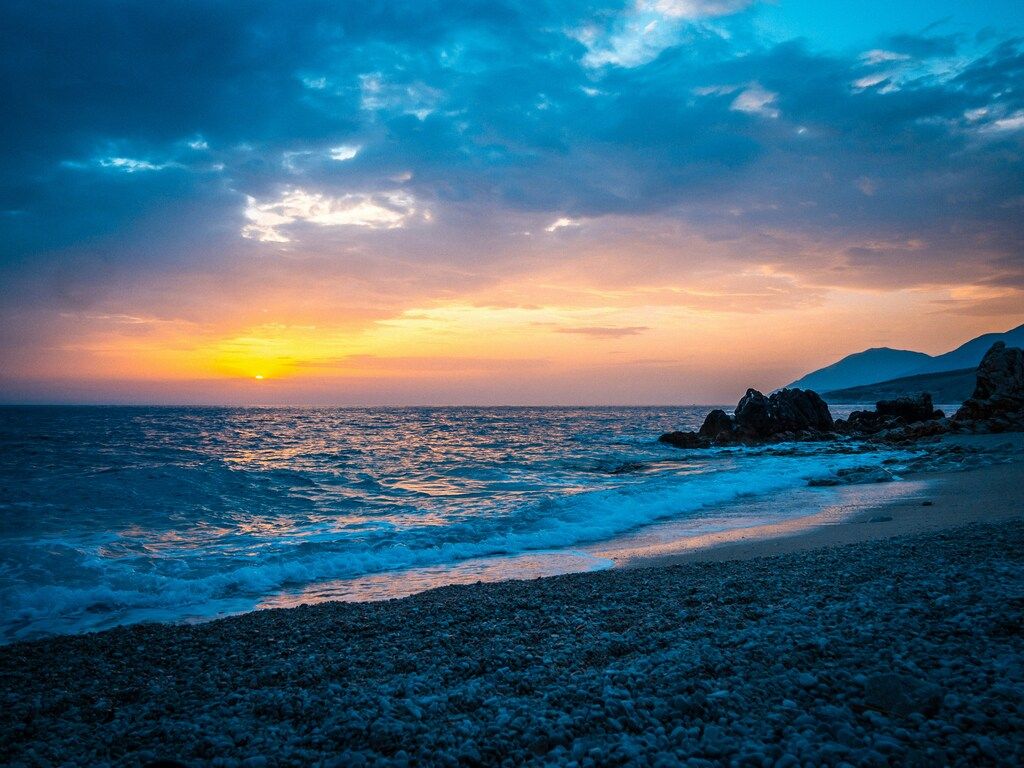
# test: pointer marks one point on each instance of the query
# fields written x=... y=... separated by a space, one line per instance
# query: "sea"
x=116 y=515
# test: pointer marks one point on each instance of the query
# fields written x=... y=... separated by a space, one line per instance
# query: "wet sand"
x=924 y=502
x=904 y=647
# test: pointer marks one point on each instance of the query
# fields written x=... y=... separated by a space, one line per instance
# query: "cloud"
x=755 y=100
x=388 y=210
x=880 y=56
x=867 y=186
x=695 y=9
x=1014 y=122
x=609 y=332
x=408 y=98
x=123 y=164
x=345 y=151
x=714 y=167
x=641 y=32
x=130 y=165
x=561 y=223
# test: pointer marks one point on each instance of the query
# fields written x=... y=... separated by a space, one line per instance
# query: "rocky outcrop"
x=753 y=415
x=786 y=411
x=997 y=405
x=910 y=409
x=795 y=410
x=891 y=414
x=717 y=423
x=789 y=414
x=999 y=391
x=684 y=440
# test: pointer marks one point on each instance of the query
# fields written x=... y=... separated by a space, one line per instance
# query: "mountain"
x=882 y=364
x=945 y=387
x=969 y=355
x=867 y=367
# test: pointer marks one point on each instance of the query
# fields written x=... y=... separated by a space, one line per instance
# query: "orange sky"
x=621 y=201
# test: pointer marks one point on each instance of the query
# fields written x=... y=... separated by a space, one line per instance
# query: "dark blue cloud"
x=136 y=132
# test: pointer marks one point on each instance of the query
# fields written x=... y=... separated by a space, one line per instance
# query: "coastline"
x=936 y=501
x=898 y=651
x=856 y=642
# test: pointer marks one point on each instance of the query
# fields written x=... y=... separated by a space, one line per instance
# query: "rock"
x=999 y=388
x=854 y=476
x=901 y=695
x=785 y=411
x=902 y=419
x=716 y=423
x=1001 y=372
x=684 y=440
x=799 y=409
x=789 y=414
x=714 y=742
x=806 y=680
x=753 y=416
x=936 y=426
x=868 y=422
x=910 y=409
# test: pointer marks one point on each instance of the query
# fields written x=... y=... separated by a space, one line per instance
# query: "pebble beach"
x=900 y=651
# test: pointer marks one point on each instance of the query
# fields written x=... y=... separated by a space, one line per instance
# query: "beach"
x=848 y=642
x=934 y=501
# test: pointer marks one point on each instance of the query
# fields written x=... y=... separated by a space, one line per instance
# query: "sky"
x=625 y=202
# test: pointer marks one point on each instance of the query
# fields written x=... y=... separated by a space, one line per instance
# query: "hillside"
x=871 y=365
x=945 y=387
x=883 y=364
x=970 y=353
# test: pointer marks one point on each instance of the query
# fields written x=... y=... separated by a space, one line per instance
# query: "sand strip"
x=937 y=502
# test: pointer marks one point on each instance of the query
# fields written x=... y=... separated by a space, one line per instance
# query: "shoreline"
x=895 y=651
x=849 y=642
x=843 y=514
x=836 y=507
x=936 y=502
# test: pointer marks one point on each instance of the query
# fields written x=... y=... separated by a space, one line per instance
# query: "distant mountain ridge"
x=867 y=367
x=945 y=387
x=882 y=364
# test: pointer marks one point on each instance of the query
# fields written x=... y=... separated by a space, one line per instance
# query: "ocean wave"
x=81 y=584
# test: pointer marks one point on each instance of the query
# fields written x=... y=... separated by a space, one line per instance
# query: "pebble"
x=901 y=651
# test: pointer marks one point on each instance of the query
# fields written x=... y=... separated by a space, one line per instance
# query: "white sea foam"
x=185 y=526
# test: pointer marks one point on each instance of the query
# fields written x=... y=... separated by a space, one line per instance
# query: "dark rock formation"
x=789 y=414
x=997 y=405
x=910 y=409
x=684 y=440
x=999 y=391
x=717 y=424
x=753 y=417
x=794 y=410
x=891 y=414
x=788 y=410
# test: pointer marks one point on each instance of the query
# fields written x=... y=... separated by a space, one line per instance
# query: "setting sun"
x=308 y=302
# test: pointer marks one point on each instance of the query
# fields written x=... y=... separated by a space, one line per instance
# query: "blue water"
x=113 y=515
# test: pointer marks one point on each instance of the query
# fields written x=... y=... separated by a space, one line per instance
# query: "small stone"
x=901 y=695
x=807 y=680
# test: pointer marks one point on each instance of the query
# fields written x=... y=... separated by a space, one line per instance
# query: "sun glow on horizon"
x=668 y=342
